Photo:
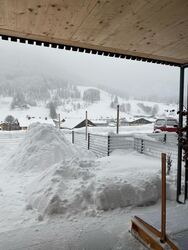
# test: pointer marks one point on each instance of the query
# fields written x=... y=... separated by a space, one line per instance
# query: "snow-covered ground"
x=53 y=193
x=122 y=129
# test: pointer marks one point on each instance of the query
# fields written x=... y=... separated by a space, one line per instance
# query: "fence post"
x=88 y=142
x=72 y=137
x=164 y=139
x=108 y=146
x=142 y=146
x=86 y=122
x=117 y=125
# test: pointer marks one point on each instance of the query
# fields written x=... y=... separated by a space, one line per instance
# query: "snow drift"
x=43 y=146
x=65 y=187
x=70 y=180
x=73 y=186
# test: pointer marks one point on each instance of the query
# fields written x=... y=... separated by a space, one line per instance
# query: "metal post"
x=185 y=151
x=108 y=146
x=117 y=126
x=186 y=178
x=179 y=167
x=142 y=146
x=163 y=199
x=86 y=121
x=88 y=142
x=72 y=137
x=164 y=139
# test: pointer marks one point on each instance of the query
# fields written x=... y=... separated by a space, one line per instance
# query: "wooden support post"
x=117 y=125
x=163 y=199
x=86 y=127
x=146 y=233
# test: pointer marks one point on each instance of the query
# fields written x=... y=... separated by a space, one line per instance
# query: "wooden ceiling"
x=149 y=29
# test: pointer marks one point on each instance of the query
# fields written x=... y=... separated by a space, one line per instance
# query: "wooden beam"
x=149 y=235
x=156 y=30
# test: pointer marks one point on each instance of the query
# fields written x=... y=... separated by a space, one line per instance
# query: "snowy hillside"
x=133 y=108
x=71 y=102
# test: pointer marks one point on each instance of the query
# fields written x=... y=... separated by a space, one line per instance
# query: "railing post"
x=142 y=146
x=164 y=139
x=72 y=137
x=108 y=146
x=88 y=142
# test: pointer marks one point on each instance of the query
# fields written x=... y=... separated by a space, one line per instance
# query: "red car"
x=165 y=124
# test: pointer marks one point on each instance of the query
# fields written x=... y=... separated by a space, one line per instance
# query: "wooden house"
x=83 y=124
x=10 y=126
x=140 y=121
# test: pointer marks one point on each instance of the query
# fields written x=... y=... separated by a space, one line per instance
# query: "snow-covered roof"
x=25 y=122
x=71 y=123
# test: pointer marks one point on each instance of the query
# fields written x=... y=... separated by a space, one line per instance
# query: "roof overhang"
x=153 y=31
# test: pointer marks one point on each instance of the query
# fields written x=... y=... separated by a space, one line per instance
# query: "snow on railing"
x=98 y=144
x=169 y=138
x=155 y=148
x=103 y=145
x=121 y=142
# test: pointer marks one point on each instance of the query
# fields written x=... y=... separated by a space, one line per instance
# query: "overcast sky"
x=130 y=77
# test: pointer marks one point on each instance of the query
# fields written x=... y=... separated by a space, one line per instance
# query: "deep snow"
x=43 y=146
x=73 y=187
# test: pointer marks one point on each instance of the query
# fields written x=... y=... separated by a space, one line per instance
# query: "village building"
x=140 y=121
x=9 y=126
x=26 y=122
x=76 y=123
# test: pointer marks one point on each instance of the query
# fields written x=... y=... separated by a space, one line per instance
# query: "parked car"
x=165 y=124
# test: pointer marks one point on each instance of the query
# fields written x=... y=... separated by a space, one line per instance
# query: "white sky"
x=130 y=77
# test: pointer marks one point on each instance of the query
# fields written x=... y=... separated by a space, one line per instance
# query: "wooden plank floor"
x=182 y=239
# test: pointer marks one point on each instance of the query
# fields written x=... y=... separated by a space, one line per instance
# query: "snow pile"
x=69 y=180
x=127 y=180
x=65 y=187
x=43 y=146
x=73 y=186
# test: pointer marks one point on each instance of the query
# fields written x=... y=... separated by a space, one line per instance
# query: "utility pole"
x=59 y=121
x=86 y=126
x=117 y=128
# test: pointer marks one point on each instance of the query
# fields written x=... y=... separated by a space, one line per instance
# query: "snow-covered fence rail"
x=121 y=142
x=103 y=145
x=139 y=145
x=155 y=148
x=79 y=138
x=169 y=138
x=98 y=144
x=7 y=137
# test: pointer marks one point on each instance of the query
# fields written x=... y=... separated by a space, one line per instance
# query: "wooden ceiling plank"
x=154 y=28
